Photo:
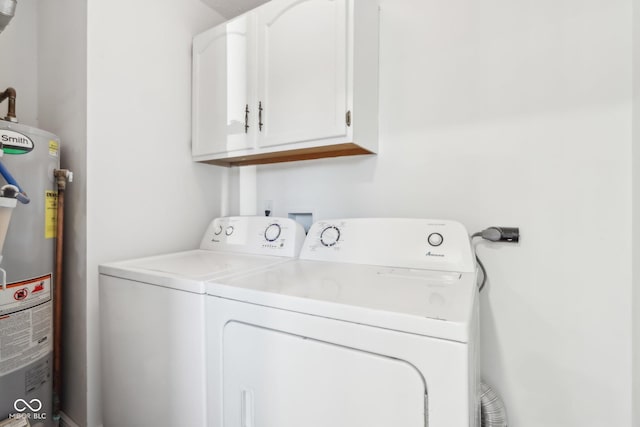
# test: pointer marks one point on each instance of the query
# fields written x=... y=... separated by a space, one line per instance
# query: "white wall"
x=515 y=114
x=636 y=213
x=144 y=194
x=62 y=109
x=18 y=62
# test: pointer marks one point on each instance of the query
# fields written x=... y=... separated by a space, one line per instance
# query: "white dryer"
x=152 y=315
x=376 y=325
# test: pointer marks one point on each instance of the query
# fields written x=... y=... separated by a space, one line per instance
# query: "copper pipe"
x=11 y=111
x=61 y=176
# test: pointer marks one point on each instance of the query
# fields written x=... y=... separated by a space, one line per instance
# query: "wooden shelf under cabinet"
x=337 y=150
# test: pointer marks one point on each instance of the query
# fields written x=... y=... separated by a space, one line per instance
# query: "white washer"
x=152 y=314
x=376 y=325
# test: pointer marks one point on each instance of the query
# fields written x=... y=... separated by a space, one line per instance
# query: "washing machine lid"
x=188 y=270
x=426 y=302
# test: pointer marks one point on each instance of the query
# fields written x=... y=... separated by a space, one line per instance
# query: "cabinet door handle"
x=246 y=118
x=260 y=124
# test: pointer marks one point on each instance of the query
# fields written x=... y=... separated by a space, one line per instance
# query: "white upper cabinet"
x=223 y=78
x=302 y=71
x=290 y=80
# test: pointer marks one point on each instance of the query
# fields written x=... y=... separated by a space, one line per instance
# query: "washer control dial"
x=272 y=232
x=217 y=230
x=330 y=236
x=435 y=239
x=229 y=230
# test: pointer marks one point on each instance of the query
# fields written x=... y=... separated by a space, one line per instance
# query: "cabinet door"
x=302 y=70
x=223 y=86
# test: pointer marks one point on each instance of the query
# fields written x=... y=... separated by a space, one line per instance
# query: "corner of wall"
x=635 y=308
x=62 y=110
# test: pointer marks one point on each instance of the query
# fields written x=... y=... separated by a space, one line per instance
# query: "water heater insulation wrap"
x=26 y=304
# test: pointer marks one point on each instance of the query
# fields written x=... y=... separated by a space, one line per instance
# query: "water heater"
x=28 y=258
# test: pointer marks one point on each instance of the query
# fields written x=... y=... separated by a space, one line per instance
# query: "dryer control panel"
x=393 y=242
x=254 y=235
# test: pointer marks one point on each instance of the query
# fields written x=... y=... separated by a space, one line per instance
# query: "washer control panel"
x=254 y=235
x=394 y=242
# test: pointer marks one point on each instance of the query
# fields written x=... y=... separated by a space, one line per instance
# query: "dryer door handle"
x=247 y=408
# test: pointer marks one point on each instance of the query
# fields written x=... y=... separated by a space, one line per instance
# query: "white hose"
x=493 y=411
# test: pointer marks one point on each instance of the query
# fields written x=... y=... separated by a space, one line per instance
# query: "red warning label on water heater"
x=21 y=295
x=25 y=322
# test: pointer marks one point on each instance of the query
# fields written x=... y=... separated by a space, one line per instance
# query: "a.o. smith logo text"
x=15 y=143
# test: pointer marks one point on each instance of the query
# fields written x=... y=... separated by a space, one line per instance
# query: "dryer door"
x=276 y=379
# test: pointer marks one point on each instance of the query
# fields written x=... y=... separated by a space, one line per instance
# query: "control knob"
x=272 y=232
x=330 y=236
x=229 y=230
x=435 y=239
